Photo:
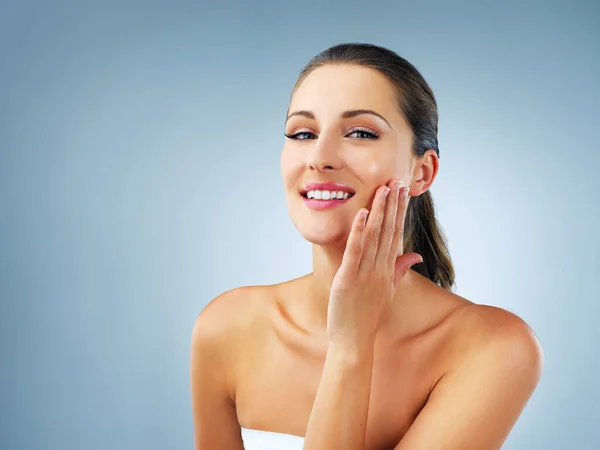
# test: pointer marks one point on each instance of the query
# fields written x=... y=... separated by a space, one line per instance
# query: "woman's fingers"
x=388 y=227
x=397 y=246
x=372 y=233
x=379 y=242
x=351 y=257
x=403 y=264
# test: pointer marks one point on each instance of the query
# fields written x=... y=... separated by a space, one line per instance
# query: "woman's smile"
x=326 y=195
x=321 y=204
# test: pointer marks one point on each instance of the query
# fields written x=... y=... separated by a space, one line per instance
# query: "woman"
x=371 y=350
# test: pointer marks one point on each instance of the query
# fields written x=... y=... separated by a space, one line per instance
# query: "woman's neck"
x=326 y=262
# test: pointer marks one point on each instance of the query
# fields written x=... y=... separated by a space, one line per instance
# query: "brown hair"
x=423 y=234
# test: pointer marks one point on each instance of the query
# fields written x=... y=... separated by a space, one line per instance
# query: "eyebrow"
x=345 y=114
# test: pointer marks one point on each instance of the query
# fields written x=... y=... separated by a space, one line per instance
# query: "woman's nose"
x=325 y=155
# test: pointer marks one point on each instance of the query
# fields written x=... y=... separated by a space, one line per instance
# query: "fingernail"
x=398 y=185
x=405 y=192
x=386 y=192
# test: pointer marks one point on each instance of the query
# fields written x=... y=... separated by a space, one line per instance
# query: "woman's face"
x=333 y=141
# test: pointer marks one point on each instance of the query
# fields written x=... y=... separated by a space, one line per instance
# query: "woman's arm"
x=476 y=404
x=215 y=419
x=366 y=282
x=339 y=415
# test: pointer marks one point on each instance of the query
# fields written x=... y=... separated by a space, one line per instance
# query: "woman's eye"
x=358 y=134
x=363 y=134
x=301 y=136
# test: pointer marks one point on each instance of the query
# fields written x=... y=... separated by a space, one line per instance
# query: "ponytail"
x=423 y=235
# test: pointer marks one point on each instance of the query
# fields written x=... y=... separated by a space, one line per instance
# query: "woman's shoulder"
x=235 y=319
x=233 y=311
x=466 y=325
x=478 y=328
x=487 y=320
x=226 y=328
x=465 y=330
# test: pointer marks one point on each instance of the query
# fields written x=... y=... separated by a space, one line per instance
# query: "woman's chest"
x=277 y=385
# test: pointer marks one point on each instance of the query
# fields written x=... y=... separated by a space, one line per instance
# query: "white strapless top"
x=269 y=440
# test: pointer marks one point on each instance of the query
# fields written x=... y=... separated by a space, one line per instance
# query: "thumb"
x=403 y=263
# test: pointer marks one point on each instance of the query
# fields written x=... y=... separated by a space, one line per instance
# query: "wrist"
x=351 y=352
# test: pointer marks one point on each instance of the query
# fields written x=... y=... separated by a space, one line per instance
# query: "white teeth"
x=328 y=195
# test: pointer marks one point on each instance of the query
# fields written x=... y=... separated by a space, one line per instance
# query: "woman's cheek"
x=373 y=170
x=289 y=167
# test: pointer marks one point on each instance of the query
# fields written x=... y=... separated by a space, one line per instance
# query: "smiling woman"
x=372 y=349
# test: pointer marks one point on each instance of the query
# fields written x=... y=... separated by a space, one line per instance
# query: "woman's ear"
x=426 y=170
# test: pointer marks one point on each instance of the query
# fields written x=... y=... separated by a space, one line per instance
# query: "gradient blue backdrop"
x=139 y=178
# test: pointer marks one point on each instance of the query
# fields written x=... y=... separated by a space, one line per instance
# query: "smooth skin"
x=363 y=352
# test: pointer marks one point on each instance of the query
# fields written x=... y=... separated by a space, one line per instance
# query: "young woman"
x=371 y=350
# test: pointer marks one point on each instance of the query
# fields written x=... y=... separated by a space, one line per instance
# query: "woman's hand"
x=372 y=266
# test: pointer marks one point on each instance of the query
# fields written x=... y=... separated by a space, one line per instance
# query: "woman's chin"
x=326 y=238
x=323 y=229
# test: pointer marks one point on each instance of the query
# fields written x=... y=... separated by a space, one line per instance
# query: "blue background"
x=139 y=178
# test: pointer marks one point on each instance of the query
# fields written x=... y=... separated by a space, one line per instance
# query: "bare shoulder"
x=221 y=333
x=488 y=320
x=490 y=330
x=226 y=322
x=228 y=317
x=468 y=332
x=217 y=334
x=230 y=309
x=492 y=364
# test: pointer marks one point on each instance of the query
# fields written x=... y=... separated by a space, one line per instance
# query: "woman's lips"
x=320 y=205
x=327 y=186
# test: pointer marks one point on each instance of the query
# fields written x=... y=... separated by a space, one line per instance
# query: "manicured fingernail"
x=365 y=214
x=386 y=192
x=405 y=192
x=398 y=185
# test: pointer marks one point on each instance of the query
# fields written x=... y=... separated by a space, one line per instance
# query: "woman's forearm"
x=339 y=415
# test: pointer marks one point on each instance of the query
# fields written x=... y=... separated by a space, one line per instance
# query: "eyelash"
x=372 y=134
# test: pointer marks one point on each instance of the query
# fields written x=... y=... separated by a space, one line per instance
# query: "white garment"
x=269 y=440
